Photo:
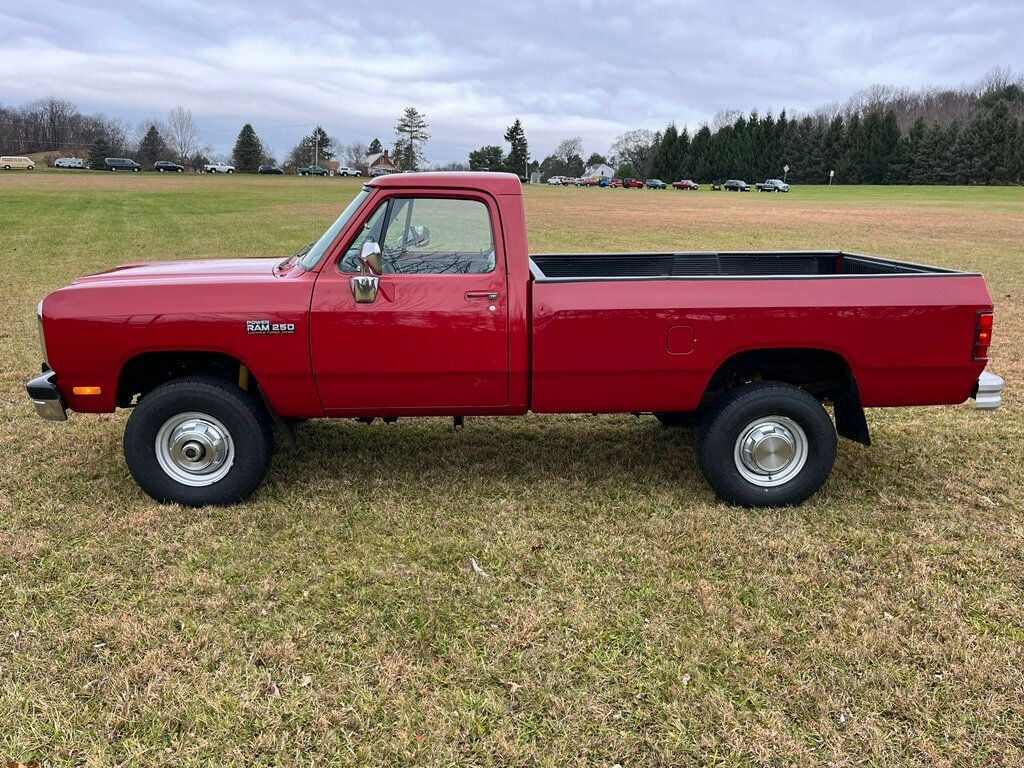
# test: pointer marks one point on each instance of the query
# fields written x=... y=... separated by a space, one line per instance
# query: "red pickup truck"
x=422 y=300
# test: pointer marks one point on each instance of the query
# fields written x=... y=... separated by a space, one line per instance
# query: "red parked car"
x=616 y=183
x=632 y=184
x=422 y=300
x=685 y=184
x=587 y=182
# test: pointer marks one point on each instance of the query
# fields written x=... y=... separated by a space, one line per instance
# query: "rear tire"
x=766 y=444
x=199 y=440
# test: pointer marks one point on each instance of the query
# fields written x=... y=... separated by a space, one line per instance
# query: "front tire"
x=766 y=444
x=199 y=440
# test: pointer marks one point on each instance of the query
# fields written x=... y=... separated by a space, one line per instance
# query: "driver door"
x=434 y=339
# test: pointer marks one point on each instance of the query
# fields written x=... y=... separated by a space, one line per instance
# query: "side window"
x=371 y=231
x=437 y=236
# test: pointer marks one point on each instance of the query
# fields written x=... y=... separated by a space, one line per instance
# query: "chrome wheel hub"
x=770 y=451
x=194 y=449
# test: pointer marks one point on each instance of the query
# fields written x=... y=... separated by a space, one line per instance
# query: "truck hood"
x=204 y=269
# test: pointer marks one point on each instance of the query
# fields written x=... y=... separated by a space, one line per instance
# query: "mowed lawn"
x=625 y=616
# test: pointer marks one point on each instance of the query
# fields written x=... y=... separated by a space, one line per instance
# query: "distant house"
x=379 y=164
x=601 y=171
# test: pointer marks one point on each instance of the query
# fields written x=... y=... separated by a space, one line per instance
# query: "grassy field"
x=626 y=616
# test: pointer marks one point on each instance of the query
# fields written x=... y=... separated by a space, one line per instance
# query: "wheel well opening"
x=822 y=373
x=816 y=371
x=145 y=372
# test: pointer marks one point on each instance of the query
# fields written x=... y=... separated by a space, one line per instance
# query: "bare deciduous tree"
x=354 y=154
x=182 y=134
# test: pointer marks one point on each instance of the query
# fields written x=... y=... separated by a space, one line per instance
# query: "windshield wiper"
x=304 y=250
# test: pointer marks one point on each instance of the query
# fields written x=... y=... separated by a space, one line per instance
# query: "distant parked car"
x=14 y=163
x=587 y=182
x=655 y=184
x=69 y=162
x=166 y=166
x=555 y=181
x=604 y=182
x=685 y=184
x=632 y=184
x=615 y=183
x=716 y=185
x=271 y=169
x=736 y=185
x=347 y=171
x=121 y=164
x=313 y=170
x=773 y=185
x=218 y=168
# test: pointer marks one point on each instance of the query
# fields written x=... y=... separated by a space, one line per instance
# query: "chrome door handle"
x=481 y=296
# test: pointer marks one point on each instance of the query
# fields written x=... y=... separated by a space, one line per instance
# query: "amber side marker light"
x=982 y=335
x=87 y=390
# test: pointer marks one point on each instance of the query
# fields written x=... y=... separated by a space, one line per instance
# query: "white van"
x=69 y=162
x=11 y=163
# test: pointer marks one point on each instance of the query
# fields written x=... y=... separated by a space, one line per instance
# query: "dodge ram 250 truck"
x=422 y=300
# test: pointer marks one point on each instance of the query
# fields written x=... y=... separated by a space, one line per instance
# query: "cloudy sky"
x=593 y=68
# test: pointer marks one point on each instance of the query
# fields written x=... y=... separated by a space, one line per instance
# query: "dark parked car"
x=271 y=169
x=655 y=184
x=632 y=184
x=313 y=170
x=773 y=185
x=716 y=185
x=736 y=185
x=166 y=166
x=686 y=184
x=121 y=164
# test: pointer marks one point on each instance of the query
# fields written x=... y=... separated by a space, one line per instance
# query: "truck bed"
x=597 y=266
x=647 y=331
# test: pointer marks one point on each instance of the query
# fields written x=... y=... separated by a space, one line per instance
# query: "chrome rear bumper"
x=989 y=393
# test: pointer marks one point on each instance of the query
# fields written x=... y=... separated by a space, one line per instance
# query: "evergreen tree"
x=661 y=166
x=248 y=152
x=314 y=148
x=410 y=137
x=487 y=158
x=375 y=147
x=98 y=152
x=519 y=153
x=152 y=147
x=833 y=142
x=680 y=158
x=931 y=160
x=700 y=160
x=902 y=165
x=597 y=159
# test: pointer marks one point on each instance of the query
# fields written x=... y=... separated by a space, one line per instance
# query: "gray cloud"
x=593 y=68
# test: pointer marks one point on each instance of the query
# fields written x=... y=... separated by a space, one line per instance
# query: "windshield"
x=312 y=258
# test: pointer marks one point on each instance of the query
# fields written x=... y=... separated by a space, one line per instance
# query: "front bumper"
x=46 y=398
x=988 y=395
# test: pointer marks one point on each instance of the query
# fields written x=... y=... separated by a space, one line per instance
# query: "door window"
x=429 y=236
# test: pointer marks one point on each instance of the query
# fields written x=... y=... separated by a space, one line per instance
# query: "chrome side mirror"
x=366 y=284
x=370 y=258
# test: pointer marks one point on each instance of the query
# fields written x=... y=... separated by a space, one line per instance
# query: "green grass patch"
x=627 y=617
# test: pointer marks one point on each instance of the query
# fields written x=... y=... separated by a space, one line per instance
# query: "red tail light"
x=983 y=334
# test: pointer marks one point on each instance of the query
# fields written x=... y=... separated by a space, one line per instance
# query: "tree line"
x=56 y=127
x=973 y=134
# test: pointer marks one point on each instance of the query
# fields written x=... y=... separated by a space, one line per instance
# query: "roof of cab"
x=494 y=183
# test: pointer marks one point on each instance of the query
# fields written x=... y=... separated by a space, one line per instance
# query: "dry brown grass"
x=627 y=616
